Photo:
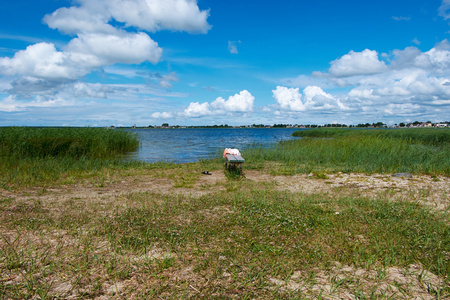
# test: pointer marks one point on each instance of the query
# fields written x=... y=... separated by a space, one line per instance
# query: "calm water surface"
x=189 y=145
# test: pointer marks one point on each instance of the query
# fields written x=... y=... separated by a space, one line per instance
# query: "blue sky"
x=187 y=62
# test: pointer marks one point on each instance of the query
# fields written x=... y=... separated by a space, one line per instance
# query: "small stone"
x=406 y=175
x=114 y=289
x=64 y=287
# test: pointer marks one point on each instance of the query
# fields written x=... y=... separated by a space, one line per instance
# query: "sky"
x=215 y=62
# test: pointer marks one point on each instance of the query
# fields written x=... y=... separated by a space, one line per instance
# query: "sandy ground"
x=431 y=191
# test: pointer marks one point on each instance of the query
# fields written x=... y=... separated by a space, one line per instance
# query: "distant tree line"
x=335 y=125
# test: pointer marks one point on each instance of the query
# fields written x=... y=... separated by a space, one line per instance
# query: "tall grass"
x=29 y=142
x=431 y=136
x=31 y=156
x=362 y=151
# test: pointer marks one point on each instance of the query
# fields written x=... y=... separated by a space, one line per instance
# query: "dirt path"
x=433 y=191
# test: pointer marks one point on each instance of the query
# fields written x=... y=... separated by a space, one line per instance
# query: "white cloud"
x=74 y=20
x=401 y=18
x=409 y=82
x=39 y=60
x=166 y=80
x=444 y=8
x=362 y=93
x=98 y=43
x=196 y=109
x=315 y=98
x=42 y=68
x=242 y=102
x=162 y=115
x=413 y=83
x=302 y=81
x=357 y=63
x=239 y=103
x=232 y=47
x=406 y=109
x=289 y=98
x=88 y=90
x=11 y=104
x=150 y=15
x=97 y=49
x=8 y=104
x=436 y=60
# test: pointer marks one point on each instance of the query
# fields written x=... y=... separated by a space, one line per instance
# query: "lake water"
x=189 y=145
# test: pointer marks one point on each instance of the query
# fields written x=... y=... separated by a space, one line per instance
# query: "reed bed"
x=30 y=156
x=430 y=136
x=370 y=151
x=29 y=142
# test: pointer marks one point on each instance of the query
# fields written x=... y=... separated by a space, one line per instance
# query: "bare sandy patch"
x=432 y=191
x=343 y=282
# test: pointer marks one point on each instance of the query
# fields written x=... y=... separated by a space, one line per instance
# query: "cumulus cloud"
x=407 y=81
x=97 y=49
x=242 y=102
x=162 y=115
x=288 y=98
x=314 y=98
x=88 y=90
x=357 y=63
x=150 y=15
x=97 y=43
x=406 y=109
x=40 y=60
x=197 y=109
x=412 y=75
x=238 y=103
x=436 y=60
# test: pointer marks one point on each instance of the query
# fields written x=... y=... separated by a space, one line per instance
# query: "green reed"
x=431 y=136
x=29 y=142
x=30 y=156
x=362 y=151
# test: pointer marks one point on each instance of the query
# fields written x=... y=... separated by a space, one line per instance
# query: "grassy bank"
x=44 y=155
x=429 y=136
x=165 y=231
x=419 y=151
x=249 y=242
x=30 y=142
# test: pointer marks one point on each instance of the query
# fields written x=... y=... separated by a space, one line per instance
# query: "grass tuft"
x=369 y=151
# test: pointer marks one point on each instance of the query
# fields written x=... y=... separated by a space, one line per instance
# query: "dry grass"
x=173 y=233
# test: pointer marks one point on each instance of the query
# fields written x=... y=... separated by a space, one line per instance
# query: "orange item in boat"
x=231 y=151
